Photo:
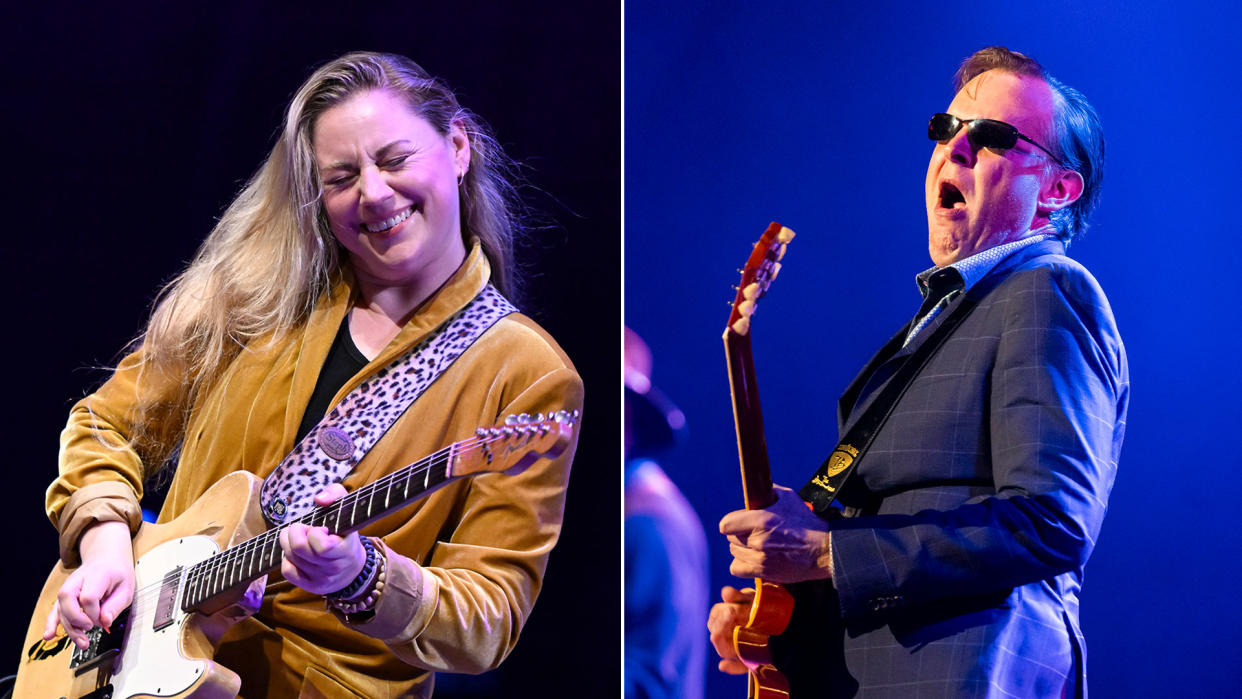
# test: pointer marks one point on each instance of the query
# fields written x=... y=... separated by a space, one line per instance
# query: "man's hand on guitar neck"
x=723 y=618
x=101 y=588
x=784 y=542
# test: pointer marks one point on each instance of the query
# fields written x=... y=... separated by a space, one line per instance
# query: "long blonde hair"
x=272 y=254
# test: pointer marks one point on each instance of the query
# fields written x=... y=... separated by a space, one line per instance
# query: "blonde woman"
x=383 y=209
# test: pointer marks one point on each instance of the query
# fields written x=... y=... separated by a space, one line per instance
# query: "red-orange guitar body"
x=773 y=605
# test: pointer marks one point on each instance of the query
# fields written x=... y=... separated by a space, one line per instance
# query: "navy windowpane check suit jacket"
x=977 y=505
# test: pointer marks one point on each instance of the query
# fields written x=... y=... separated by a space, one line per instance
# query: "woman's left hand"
x=317 y=560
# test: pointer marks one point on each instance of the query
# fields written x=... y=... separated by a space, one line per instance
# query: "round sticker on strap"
x=335 y=442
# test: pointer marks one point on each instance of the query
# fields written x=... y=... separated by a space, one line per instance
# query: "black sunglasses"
x=982 y=133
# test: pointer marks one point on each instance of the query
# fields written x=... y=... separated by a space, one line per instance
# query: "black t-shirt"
x=344 y=361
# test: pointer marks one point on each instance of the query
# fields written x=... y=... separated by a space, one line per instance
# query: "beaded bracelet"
x=365 y=576
x=367 y=603
x=365 y=598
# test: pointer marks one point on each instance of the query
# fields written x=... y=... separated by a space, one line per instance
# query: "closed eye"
x=393 y=163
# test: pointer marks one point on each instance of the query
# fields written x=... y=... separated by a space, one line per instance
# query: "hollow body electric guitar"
x=203 y=561
x=772 y=605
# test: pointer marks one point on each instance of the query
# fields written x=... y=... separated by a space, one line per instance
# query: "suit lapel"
x=884 y=364
x=849 y=399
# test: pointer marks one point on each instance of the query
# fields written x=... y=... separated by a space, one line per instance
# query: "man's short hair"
x=1079 y=136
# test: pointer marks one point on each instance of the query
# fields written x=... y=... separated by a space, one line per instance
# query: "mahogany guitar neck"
x=772 y=604
x=752 y=448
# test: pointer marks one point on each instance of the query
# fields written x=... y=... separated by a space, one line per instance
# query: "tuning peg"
x=776 y=269
x=780 y=254
x=785 y=235
x=746 y=308
x=741 y=326
x=751 y=291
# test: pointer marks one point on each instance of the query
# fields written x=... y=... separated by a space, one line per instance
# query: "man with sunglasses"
x=979 y=444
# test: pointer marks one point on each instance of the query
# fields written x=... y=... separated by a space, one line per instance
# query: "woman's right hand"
x=99 y=589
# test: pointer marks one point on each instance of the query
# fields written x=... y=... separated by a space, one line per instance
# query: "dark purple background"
x=127 y=129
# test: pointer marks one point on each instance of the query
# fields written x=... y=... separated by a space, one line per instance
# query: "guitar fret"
x=199 y=576
x=203 y=572
x=340 y=517
x=234 y=575
x=256 y=558
x=222 y=573
x=215 y=575
x=265 y=553
x=191 y=576
x=187 y=586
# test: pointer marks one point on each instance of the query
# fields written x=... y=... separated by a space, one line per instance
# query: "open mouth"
x=950 y=196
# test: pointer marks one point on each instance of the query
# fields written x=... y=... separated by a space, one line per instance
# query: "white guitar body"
x=152 y=661
x=174 y=660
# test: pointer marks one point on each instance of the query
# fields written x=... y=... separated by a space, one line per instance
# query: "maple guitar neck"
x=531 y=437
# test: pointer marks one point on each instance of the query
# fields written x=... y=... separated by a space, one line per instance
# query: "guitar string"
x=202 y=571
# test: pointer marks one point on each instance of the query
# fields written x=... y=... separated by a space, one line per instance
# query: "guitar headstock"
x=517 y=443
x=761 y=268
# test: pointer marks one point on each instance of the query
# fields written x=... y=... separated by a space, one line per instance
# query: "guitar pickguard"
x=151 y=661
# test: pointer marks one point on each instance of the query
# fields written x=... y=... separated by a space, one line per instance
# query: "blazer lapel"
x=849 y=399
x=857 y=397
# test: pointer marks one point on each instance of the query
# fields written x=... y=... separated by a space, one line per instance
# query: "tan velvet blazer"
x=469 y=559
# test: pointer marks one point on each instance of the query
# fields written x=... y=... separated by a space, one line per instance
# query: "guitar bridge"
x=102 y=645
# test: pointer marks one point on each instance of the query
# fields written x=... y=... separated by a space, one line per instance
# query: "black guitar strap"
x=824 y=486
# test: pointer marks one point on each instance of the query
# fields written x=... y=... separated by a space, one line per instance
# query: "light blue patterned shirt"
x=972 y=269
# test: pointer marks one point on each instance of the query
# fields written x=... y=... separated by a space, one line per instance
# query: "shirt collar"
x=976 y=267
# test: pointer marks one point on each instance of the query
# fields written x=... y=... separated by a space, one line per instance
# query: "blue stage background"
x=814 y=115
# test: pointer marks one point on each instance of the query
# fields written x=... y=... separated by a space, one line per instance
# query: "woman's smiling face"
x=390 y=189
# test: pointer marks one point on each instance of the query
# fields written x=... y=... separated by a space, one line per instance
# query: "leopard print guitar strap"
x=334 y=447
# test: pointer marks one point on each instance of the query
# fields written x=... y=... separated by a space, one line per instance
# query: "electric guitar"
x=203 y=561
x=772 y=605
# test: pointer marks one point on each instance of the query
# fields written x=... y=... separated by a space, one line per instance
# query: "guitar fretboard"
x=241 y=564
